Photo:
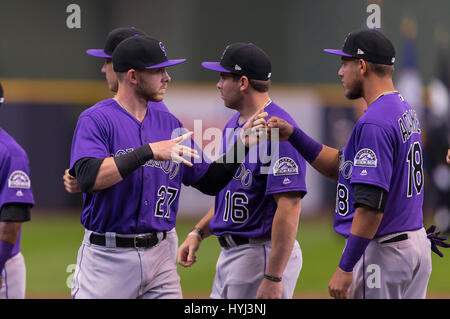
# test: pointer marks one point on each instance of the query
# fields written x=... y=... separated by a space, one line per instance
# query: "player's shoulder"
x=163 y=115
x=386 y=110
x=9 y=146
x=274 y=109
x=100 y=109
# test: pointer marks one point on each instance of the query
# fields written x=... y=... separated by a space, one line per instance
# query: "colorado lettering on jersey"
x=244 y=175
x=408 y=124
x=168 y=167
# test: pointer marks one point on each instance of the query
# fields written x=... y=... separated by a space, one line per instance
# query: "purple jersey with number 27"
x=384 y=150
x=147 y=199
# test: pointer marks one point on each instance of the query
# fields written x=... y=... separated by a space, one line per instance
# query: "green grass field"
x=50 y=244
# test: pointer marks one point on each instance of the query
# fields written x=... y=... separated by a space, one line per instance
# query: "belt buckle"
x=145 y=241
x=135 y=241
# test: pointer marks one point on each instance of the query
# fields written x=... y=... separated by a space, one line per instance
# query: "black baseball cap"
x=112 y=40
x=141 y=52
x=243 y=59
x=370 y=45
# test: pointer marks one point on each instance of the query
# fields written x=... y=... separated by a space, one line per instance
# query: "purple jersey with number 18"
x=384 y=150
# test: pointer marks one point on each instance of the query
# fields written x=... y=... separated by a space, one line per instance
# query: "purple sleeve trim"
x=305 y=145
x=353 y=251
x=5 y=252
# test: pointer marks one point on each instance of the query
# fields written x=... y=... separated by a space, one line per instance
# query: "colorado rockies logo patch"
x=163 y=49
x=285 y=166
x=19 y=179
x=365 y=157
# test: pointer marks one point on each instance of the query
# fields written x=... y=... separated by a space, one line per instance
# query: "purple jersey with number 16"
x=246 y=206
x=384 y=150
x=145 y=200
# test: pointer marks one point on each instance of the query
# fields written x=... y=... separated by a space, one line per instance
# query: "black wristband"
x=127 y=163
x=272 y=278
x=199 y=231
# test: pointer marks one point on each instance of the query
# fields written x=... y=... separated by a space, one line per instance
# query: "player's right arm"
x=186 y=251
x=94 y=174
x=323 y=158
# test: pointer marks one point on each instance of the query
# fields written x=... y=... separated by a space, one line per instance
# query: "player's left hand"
x=448 y=156
x=255 y=129
x=269 y=290
x=339 y=284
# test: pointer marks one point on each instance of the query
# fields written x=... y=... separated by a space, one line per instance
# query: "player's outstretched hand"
x=339 y=284
x=448 y=157
x=171 y=150
x=186 y=252
x=70 y=183
x=255 y=129
x=284 y=129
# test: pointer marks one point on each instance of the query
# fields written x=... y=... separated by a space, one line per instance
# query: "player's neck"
x=376 y=87
x=133 y=104
x=251 y=104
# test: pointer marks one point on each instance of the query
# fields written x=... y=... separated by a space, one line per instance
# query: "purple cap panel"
x=337 y=52
x=99 y=53
x=215 y=66
x=166 y=64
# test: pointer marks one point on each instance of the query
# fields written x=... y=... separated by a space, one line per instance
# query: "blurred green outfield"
x=50 y=244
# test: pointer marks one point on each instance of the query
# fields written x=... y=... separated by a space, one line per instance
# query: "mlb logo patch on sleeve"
x=366 y=158
x=285 y=166
x=19 y=179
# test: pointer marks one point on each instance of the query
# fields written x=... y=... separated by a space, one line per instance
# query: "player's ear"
x=243 y=83
x=363 y=66
x=132 y=76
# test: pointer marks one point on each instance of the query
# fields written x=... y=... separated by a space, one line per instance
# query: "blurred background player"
x=380 y=180
x=16 y=200
x=112 y=40
x=255 y=217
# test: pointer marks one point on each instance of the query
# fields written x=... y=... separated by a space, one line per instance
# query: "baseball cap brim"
x=166 y=64
x=99 y=53
x=215 y=66
x=337 y=52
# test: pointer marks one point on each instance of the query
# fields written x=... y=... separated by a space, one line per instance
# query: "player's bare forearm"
x=327 y=162
x=203 y=224
x=366 y=222
x=284 y=232
x=9 y=231
x=108 y=175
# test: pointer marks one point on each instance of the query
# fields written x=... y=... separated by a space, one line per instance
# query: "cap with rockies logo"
x=370 y=45
x=112 y=40
x=243 y=59
x=141 y=52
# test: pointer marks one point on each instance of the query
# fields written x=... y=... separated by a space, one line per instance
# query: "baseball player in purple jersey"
x=380 y=180
x=112 y=40
x=255 y=217
x=16 y=200
x=128 y=160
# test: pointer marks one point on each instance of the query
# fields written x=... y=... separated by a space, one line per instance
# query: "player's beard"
x=148 y=95
x=355 y=91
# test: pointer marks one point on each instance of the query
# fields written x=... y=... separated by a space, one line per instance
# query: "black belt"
x=395 y=239
x=138 y=241
x=237 y=240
